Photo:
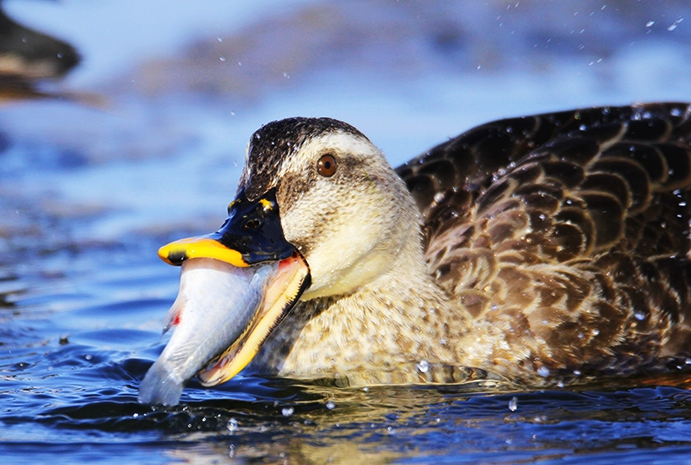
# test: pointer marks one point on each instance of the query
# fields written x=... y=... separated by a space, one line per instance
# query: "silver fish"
x=215 y=304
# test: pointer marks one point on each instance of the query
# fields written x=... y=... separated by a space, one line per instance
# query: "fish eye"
x=326 y=166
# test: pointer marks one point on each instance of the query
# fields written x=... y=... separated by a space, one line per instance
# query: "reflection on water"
x=87 y=196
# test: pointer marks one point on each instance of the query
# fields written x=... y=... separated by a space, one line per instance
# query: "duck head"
x=318 y=197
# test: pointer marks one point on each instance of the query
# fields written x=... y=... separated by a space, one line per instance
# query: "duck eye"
x=326 y=166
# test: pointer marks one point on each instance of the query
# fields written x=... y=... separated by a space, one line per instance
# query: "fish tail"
x=160 y=387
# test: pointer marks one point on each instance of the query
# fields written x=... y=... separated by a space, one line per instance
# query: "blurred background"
x=152 y=121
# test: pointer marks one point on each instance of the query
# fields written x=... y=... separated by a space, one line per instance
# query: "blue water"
x=89 y=192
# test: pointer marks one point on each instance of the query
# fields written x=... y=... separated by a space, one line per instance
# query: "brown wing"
x=567 y=232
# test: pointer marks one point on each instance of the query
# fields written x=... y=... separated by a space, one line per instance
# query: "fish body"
x=214 y=306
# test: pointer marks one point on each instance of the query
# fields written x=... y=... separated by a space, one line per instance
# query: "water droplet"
x=513 y=404
x=596 y=332
x=330 y=405
x=649 y=24
x=219 y=39
x=287 y=411
x=543 y=371
x=286 y=75
x=577 y=372
x=438 y=197
x=423 y=366
x=232 y=425
x=222 y=58
x=640 y=316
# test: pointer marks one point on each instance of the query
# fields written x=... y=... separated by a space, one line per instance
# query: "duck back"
x=566 y=236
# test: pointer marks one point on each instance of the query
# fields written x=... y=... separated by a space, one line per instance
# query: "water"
x=88 y=194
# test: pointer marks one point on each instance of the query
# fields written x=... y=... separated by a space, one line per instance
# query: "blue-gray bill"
x=215 y=306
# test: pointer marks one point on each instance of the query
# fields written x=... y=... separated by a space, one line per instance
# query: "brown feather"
x=573 y=227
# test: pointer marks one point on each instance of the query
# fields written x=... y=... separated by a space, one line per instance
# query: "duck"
x=543 y=250
x=29 y=58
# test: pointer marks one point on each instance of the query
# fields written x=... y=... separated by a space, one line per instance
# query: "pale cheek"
x=340 y=249
x=346 y=259
x=341 y=246
x=299 y=229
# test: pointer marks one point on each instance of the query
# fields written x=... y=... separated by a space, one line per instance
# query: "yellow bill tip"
x=200 y=247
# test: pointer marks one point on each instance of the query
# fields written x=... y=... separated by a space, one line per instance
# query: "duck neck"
x=400 y=318
x=410 y=306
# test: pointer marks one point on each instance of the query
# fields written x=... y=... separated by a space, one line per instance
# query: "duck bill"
x=251 y=235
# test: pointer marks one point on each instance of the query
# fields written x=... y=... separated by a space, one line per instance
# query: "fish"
x=215 y=305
